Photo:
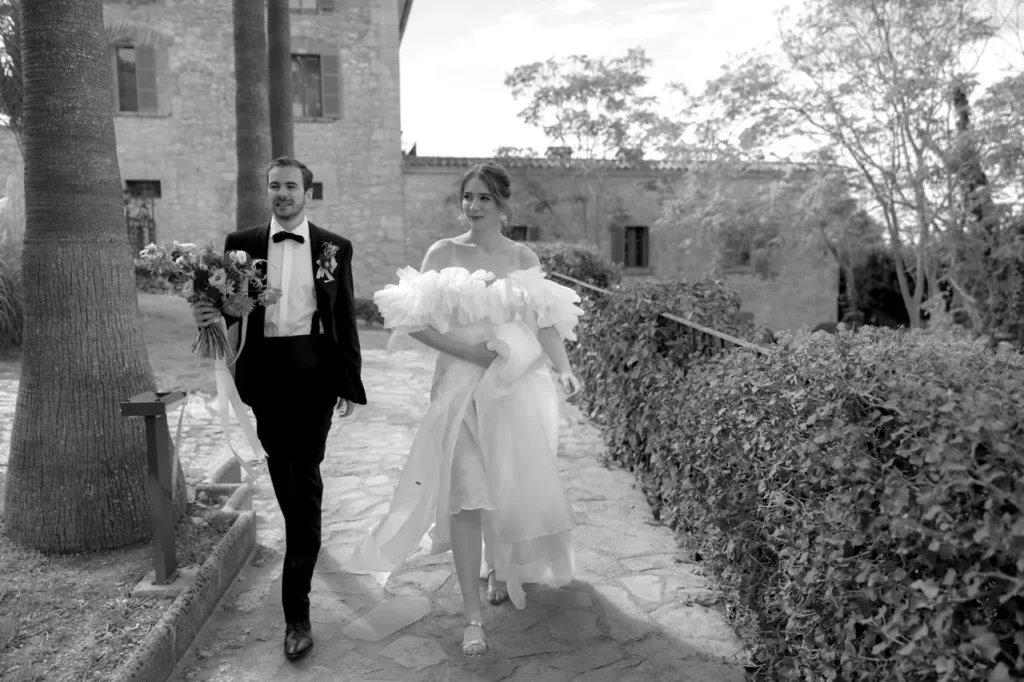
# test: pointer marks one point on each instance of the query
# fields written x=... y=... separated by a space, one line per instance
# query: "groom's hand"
x=205 y=312
x=345 y=408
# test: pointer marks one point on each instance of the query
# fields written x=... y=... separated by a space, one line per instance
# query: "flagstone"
x=388 y=617
x=567 y=597
x=415 y=653
x=424 y=581
x=650 y=562
x=625 y=620
x=646 y=587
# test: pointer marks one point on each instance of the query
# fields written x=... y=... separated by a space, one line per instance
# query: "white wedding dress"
x=489 y=438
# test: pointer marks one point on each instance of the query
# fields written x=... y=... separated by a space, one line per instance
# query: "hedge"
x=582 y=262
x=856 y=496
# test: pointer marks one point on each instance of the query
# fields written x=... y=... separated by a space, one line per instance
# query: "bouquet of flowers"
x=230 y=281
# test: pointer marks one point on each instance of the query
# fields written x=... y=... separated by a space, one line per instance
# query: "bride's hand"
x=481 y=355
x=572 y=385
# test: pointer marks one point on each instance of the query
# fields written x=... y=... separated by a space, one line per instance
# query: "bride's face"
x=479 y=205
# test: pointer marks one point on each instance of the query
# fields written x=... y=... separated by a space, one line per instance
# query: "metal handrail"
x=693 y=326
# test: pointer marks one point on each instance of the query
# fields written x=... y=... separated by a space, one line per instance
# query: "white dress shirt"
x=290 y=269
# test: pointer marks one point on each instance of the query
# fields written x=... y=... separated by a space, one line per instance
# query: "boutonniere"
x=326 y=262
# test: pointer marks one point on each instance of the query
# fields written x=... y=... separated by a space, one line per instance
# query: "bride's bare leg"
x=466 y=550
x=497 y=591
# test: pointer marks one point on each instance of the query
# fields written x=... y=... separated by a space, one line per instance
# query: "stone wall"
x=551 y=196
x=188 y=144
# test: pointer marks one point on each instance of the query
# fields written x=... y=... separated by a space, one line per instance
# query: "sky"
x=456 y=53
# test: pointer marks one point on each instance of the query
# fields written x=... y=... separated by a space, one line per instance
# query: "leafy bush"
x=151 y=282
x=367 y=311
x=880 y=301
x=1005 y=270
x=628 y=355
x=858 y=496
x=12 y=236
x=582 y=262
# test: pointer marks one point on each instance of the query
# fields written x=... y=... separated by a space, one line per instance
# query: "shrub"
x=151 y=282
x=367 y=311
x=858 y=496
x=582 y=262
x=629 y=356
x=12 y=237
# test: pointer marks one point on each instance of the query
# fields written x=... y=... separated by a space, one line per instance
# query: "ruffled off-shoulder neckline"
x=485 y=275
x=456 y=295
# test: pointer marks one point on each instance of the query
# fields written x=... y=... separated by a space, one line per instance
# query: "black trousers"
x=293 y=416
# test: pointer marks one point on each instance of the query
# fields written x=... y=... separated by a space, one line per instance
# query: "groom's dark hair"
x=289 y=162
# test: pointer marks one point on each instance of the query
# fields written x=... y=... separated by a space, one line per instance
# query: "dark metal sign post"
x=154 y=407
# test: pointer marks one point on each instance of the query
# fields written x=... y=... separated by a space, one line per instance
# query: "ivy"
x=858 y=497
x=581 y=262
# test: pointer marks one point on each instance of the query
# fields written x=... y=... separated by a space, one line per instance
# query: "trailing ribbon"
x=175 y=448
x=227 y=395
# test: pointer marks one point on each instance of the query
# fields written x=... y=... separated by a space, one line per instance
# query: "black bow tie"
x=283 y=234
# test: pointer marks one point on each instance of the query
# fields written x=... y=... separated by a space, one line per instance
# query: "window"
x=631 y=246
x=636 y=247
x=149 y=189
x=306 y=100
x=134 y=79
x=316 y=86
x=310 y=6
x=318 y=191
x=737 y=246
x=140 y=211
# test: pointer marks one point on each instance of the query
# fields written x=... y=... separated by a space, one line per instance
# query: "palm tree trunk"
x=252 y=137
x=279 y=40
x=77 y=470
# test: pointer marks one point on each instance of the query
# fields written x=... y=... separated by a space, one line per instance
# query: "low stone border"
x=156 y=657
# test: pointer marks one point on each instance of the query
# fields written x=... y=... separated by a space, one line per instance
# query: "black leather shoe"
x=297 y=640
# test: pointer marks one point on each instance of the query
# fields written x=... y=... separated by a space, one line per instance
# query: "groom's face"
x=284 y=188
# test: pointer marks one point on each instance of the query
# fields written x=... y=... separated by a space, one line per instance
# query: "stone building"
x=618 y=207
x=173 y=95
x=173 y=91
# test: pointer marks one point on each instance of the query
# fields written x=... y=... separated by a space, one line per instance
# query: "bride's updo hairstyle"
x=498 y=183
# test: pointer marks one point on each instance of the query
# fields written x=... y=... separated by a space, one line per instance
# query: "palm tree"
x=252 y=110
x=279 y=40
x=77 y=469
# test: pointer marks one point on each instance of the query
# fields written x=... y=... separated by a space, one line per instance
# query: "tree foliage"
x=595 y=106
x=592 y=110
x=869 y=88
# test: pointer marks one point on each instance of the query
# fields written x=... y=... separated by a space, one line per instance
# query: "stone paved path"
x=637 y=610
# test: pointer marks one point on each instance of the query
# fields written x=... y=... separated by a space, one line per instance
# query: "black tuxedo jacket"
x=335 y=316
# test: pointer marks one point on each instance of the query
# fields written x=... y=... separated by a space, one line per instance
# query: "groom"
x=299 y=361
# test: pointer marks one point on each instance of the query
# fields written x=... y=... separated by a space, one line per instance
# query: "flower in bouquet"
x=218 y=277
x=233 y=282
x=269 y=297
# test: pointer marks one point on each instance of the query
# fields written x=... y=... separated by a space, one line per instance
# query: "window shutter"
x=145 y=74
x=533 y=234
x=325 y=5
x=645 y=248
x=330 y=76
x=618 y=244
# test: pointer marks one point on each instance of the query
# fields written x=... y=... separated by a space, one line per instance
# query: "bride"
x=481 y=476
